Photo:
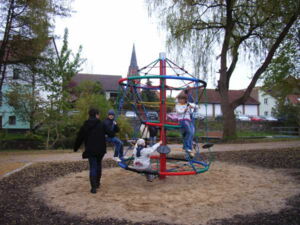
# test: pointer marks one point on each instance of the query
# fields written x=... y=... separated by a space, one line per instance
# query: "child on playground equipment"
x=149 y=132
x=142 y=157
x=153 y=130
x=112 y=126
x=184 y=110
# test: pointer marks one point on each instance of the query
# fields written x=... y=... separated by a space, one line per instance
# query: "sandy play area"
x=225 y=190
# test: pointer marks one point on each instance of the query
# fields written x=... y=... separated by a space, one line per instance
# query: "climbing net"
x=151 y=94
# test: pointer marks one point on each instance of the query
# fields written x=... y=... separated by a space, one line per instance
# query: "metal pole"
x=163 y=111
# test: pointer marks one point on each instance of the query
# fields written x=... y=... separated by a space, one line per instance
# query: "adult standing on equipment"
x=92 y=133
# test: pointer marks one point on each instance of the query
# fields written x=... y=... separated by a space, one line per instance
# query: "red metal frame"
x=160 y=124
x=162 y=121
x=162 y=116
x=165 y=173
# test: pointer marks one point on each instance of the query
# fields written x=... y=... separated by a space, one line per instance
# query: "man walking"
x=92 y=133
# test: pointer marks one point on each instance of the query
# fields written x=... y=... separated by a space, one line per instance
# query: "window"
x=266 y=101
x=266 y=113
x=113 y=95
x=16 y=74
x=273 y=111
x=12 y=120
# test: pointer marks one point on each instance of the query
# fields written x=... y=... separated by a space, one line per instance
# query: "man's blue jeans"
x=152 y=141
x=95 y=166
x=118 y=146
x=188 y=131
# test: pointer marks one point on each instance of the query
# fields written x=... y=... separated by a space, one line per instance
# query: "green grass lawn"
x=9 y=137
x=254 y=134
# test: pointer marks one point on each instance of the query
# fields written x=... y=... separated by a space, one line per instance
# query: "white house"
x=267 y=102
x=17 y=73
x=213 y=103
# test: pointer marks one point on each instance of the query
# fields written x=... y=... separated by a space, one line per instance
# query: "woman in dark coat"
x=92 y=133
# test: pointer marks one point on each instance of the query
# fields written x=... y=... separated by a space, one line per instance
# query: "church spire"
x=133 y=67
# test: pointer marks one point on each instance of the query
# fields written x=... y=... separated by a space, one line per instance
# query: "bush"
x=173 y=134
x=85 y=103
x=125 y=127
x=20 y=141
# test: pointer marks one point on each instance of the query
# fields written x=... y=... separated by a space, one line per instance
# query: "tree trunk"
x=4 y=52
x=33 y=103
x=229 y=123
x=229 y=126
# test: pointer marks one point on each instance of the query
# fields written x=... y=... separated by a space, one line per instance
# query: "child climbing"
x=149 y=132
x=111 y=125
x=153 y=130
x=184 y=110
x=142 y=157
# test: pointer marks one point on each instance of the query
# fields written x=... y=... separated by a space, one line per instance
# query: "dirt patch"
x=226 y=190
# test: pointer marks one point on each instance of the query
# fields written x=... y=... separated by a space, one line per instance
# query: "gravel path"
x=25 y=158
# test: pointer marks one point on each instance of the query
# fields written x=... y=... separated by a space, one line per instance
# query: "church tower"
x=133 y=69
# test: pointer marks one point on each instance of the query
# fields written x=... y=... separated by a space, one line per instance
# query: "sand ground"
x=226 y=190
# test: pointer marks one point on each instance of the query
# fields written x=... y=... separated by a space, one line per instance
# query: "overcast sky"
x=107 y=31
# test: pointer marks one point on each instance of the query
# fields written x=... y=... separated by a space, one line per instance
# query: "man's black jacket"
x=153 y=131
x=111 y=127
x=92 y=133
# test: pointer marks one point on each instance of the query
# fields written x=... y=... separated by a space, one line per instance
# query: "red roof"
x=214 y=97
x=294 y=99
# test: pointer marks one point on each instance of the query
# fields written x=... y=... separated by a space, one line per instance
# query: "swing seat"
x=164 y=149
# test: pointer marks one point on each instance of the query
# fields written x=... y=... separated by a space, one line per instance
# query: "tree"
x=225 y=30
x=26 y=105
x=58 y=72
x=87 y=88
x=50 y=73
x=26 y=21
x=90 y=97
x=288 y=113
x=149 y=95
x=282 y=77
x=126 y=128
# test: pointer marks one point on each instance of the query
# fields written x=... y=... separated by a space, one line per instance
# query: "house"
x=8 y=119
x=109 y=83
x=267 y=101
x=14 y=73
x=211 y=103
